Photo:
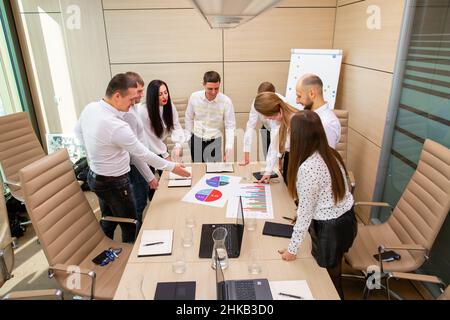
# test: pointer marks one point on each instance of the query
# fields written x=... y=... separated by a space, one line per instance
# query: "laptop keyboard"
x=245 y=290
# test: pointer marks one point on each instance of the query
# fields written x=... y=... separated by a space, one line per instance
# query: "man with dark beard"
x=309 y=92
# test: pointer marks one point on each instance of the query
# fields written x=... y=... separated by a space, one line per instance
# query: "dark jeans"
x=140 y=192
x=285 y=167
x=116 y=199
x=206 y=151
x=265 y=140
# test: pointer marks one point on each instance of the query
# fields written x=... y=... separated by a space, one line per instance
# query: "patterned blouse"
x=316 y=200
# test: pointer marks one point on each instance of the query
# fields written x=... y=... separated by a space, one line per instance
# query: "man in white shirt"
x=109 y=142
x=309 y=92
x=141 y=177
x=207 y=113
x=267 y=125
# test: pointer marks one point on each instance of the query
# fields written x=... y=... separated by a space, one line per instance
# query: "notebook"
x=175 y=290
x=290 y=290
x=218 y=167
x=278 y=229
x=179 y=181
x=156 y=243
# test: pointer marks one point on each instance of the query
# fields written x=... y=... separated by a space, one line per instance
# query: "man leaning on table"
x=109 y=142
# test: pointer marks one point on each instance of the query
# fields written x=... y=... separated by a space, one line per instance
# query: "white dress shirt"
x=332 y=128
x=316 y=201
x=331 y=125
x=155 y=143
x=134 y=121
x=109 y=141
x=206 y=118
x=253 y=118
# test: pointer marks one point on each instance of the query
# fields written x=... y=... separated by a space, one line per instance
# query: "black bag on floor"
x=15 y=209
x=81 y=169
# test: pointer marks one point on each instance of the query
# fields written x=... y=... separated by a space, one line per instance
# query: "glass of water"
x=179 y=265
x=254 y=264
x=188 y=237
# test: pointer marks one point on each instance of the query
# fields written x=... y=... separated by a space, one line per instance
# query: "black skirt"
x=332 y=238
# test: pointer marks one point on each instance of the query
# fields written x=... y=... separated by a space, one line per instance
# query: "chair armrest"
x=22 y=295
x=12 y=182
x=413 y=247
x=416 y=277
x=11 y=243
x=352 y=181
x=119 y=220
x=373 y=204
x=69 y=269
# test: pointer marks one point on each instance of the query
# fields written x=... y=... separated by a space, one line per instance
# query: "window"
x=423 y=113
x=9 y=92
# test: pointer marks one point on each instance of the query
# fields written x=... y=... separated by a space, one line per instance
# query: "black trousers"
x=116 y=199
x=285 y=167
x=265 y=140
x=332 y=238
x=206 y=150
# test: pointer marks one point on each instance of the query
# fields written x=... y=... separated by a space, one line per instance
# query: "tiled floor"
x=30 y=271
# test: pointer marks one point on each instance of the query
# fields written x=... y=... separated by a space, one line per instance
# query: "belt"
x=206 y=140
x=107 y=178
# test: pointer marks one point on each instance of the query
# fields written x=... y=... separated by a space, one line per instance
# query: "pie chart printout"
x=208 y=195
x=217 y=182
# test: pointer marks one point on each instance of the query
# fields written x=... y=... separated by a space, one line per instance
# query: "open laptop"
x=234 y=237
x=258 y=289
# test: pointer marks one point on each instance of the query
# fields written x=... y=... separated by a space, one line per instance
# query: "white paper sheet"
x=297 y=288
x=213 y=190
x=154 y=237
x=179 y=181
x=218 y=167
x=256 y=201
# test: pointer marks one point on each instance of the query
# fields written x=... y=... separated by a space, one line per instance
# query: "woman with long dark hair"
x=160 y=118
x=317 y=178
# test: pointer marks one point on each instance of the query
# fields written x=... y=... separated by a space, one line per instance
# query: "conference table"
x=168 y=211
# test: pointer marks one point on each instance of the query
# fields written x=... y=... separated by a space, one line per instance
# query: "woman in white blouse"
x=160 y=119
x=316 y=175
x=271 y=106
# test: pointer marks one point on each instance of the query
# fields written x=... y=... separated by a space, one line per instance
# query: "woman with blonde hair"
x=274 y=108
x=316 y=177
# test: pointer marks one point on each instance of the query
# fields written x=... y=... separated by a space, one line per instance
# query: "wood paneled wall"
x=366 y=79
x=169 y=40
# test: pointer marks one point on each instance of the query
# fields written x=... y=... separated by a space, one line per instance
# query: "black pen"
x=153 y=243
x=287 y=218
x=290 y=295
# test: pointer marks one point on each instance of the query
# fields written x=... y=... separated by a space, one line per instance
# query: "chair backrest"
x=425 y=203
x=61 y=215
x=19 y=146
x=6 y=250
x=343 y=141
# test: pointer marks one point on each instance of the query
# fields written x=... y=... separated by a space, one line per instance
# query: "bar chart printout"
x=256 y=202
